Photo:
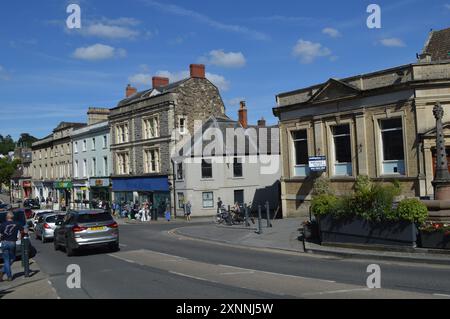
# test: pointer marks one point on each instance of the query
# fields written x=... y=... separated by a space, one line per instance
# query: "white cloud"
x=102 y=30
x=308 y=51
x=217 y=80
x=331 y=32
x=180 y=11
x=447 y=6
x=3 y=74
x=143 y=79
x=98 y=52
x=392 y=42
x=234 y=101
x=224 y=59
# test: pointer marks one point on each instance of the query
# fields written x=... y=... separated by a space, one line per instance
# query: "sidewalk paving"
x=35 y=287
x=284 y=236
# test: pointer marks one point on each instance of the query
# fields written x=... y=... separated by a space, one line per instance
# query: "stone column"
x=441 y=181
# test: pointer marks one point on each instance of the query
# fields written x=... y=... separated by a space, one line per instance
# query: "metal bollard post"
x=269 y=224
x=260 y=231
x=247 y=224
x=25 y=254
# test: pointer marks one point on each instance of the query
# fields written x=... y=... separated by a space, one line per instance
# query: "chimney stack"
x=243 y=115
x=198 y=71
x=97 y=115
x=159 y=82
x=130 y=91
x=262 y=122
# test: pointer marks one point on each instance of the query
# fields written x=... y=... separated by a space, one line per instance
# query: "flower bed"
x=435 y=236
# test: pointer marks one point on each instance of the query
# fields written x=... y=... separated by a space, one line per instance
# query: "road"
x=156 y=263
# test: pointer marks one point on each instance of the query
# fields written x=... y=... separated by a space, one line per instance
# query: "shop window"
x=300 y=139
x=392 y=147
x=342 y=150
x=208 y=200
x=207 y=169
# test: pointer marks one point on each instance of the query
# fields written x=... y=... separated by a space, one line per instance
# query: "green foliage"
x=323 y=204
x=26 y=140
x=322 y=186
x=412 y=210
x=372 y=202
x=6 y=144
x=7 y=170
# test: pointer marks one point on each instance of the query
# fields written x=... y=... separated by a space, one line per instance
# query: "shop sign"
x=63 y=185
x=101 y=182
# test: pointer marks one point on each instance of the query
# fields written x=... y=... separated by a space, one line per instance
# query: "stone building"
x=92 y=159
x=246 y=173
x=52 y=165
x=21 y=180
x=379 y=124
x=145 y=127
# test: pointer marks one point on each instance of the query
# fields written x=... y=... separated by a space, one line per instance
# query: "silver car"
x=46 y=225
x=86 y=228
x=36 y=215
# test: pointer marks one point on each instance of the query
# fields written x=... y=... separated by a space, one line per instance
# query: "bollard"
x=247 y=224
x=260 y=231
x=269 y=224
x=25 y=255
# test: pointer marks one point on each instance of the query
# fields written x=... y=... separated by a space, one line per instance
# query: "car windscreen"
x=50 y=219
x=94 y=218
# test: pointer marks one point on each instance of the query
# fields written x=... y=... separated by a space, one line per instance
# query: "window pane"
x=301 y=153
x=393 y=146
x=206 y=169
x=237 y=168
x=300 y=135
x=342 y=144
x=391 y=124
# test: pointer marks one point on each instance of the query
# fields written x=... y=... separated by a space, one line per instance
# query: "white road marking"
x=123 y=245
x=237 y=273
x=191 y=277
x=441 y=295
x=337 y=291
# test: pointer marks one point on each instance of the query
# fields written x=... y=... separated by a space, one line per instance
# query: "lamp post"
x=441 y=181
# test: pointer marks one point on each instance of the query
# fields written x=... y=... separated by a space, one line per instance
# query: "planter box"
x=359 y=231
x=434 y=240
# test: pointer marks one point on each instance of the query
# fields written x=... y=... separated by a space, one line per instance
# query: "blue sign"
x=318 y=163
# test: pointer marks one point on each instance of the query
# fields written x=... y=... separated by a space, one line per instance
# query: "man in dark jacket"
x=9 y=232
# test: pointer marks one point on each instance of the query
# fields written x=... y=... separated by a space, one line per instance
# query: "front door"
x=435 y=162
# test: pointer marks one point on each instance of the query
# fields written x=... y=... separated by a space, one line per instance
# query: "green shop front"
x=64 y=192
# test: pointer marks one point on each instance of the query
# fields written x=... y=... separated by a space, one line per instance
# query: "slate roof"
x=438 y=45
x=142 y=95
x=223 y=123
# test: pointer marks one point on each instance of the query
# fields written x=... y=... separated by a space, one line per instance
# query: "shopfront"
x=64 y=192
x=100 y=189
x=81 y=193
x=153 y=190
x=27 y=190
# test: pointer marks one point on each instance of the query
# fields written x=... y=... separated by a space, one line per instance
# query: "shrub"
x=363 y=185
x=412 y=210
x=322 y=187
x=324 y=204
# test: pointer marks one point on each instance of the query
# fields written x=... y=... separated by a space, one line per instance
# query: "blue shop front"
x=154 y=190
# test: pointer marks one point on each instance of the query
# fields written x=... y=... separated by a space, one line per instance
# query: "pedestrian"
x=188 y=211
x=9 y=233
x=167 y=213
x=219 y=205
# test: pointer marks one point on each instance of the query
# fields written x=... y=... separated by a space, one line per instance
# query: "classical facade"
x=245 y=174
x=379 y=124
x=52 y=165
x=92 y=159
x=144 y=129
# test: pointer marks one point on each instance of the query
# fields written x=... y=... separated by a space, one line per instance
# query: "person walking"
x=9 y=232
x=219 y=205
x=188 y=211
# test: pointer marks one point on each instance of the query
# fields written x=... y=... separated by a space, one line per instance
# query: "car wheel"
x=69 y=250
x=114 y=247
x=55 y=245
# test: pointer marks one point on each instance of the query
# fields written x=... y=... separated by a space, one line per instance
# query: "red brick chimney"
x=243 y=115
x=130 y=91
x=262 y=122
x=159 y=82
x=198 y=71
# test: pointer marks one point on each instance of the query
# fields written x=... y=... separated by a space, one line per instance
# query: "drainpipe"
x=174 y=188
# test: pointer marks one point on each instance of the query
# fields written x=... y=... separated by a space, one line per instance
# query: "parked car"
x=86 y=228
x=45 y=226
x=36 y=214
x=19 y=218
x=32 y=204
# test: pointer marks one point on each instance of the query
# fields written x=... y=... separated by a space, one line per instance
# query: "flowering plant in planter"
x=431 y=227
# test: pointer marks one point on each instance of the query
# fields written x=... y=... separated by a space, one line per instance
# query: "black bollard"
x=260 y=231
x=247 y=224
x=269 y=224
x=26 y=255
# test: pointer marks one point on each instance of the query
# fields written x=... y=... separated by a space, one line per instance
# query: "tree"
x=6 y=144
x=7 y=170
x=26 y=140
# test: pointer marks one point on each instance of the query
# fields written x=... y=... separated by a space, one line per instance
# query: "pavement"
x=37 y=286
x=284 y=236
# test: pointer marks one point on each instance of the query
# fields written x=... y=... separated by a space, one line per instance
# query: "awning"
x=142 y=184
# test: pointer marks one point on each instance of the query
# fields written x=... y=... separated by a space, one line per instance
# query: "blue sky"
x=253 y=50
